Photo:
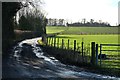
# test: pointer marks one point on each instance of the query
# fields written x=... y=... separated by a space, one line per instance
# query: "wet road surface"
x=29 y=61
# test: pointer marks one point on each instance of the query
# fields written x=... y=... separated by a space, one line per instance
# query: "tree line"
x=55 y=22
x=84 y=22
x=91 y=24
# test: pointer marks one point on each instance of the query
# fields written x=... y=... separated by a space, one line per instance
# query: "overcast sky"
x=76 y=10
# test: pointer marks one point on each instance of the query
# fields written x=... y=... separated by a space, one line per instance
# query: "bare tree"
x=91 y=21
x=9 y=10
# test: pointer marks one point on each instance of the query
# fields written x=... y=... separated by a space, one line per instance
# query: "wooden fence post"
x=96 y=54
x=58 y=43
x=74 y=45
x=49 y=41
x=100 y=53
x=54 y=42
x=68 y=43
x=93 y=53
x=82 y=50
x=62 y=46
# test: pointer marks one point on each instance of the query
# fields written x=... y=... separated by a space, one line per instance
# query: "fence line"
x=55 y=42
x=75 y=46
x=93 y=55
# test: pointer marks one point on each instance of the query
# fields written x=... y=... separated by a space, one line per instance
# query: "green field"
x=99 y=35
x=51 y=29
x=72 y=33
x=92 y=38
x=83 y=30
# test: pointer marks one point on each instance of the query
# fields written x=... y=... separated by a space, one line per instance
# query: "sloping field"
x=83 y=30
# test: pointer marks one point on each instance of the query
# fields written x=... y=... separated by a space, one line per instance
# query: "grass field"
x=99 y=35
x=72 y=34
x=51 y=29
x=83 y=30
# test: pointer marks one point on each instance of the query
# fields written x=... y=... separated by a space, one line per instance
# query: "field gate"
x=101 y=49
